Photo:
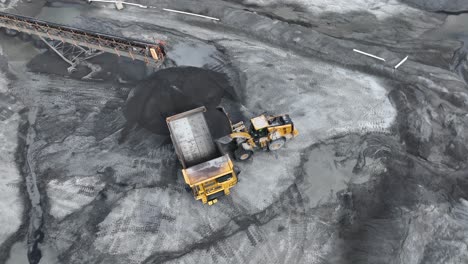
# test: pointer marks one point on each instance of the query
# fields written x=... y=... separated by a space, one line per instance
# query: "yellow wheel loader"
x=265 y=132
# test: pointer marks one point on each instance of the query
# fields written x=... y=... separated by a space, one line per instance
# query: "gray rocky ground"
x=448 y=6
x=378 y=174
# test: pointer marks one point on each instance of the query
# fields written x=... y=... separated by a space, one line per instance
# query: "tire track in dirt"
x=290 y=205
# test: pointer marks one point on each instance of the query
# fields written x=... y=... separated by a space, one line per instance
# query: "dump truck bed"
x=207 y=170
x=192 y=138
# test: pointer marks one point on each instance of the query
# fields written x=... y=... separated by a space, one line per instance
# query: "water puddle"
x=192 y=54
x=455 y=27
x=18 y=254
x=17 y=50
x=60 y=13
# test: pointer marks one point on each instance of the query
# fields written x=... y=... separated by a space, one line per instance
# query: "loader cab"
x=280 y=120
x=258 y=133
x=259 y=127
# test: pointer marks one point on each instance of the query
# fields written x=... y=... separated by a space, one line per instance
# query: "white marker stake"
x=190 y=14
x=117 y=2
x=401 y=62
x=370 y=55
x=103 y=1
x=119 y=5
x=133 y=4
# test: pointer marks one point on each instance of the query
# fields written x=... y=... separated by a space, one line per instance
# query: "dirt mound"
x=175 y=90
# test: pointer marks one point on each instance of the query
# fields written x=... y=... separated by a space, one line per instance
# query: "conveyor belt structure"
x=57 y=36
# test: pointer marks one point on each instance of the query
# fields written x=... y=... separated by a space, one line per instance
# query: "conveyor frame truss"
x=73 y=44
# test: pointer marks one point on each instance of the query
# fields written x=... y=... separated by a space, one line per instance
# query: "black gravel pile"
x=175 y=90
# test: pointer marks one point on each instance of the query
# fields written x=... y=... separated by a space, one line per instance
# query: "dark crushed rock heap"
x=175 y=90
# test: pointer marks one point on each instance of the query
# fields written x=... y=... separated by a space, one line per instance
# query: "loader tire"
x=276 y=144
x=242 y=154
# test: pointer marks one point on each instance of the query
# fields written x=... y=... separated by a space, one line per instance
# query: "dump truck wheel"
x=242 y=154
x=276 y=144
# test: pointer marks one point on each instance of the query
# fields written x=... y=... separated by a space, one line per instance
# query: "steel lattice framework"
x=72 y=54
x=72 y=43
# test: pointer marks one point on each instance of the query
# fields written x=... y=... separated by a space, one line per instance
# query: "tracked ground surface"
x=378 y=174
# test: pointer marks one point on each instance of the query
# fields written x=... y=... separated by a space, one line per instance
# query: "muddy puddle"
x=65 y=13
x=455 y=27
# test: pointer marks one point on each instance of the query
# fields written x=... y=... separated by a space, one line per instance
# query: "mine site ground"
x=378 y=174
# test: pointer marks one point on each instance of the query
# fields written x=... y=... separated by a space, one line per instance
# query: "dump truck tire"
x=276 y=144
x=242 y=154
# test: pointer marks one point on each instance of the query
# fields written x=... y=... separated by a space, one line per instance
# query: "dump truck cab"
x=208 y=172
x=211 y=179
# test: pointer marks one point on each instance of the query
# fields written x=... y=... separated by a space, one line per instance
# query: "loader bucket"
x=224 y=140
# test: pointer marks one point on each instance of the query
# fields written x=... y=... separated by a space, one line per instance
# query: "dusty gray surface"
x=449 y=6
x=378 y=174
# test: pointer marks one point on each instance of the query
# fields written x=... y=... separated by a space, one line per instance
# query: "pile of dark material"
x=175 y=90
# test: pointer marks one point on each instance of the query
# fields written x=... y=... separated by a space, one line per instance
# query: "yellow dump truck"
x=207 y=171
